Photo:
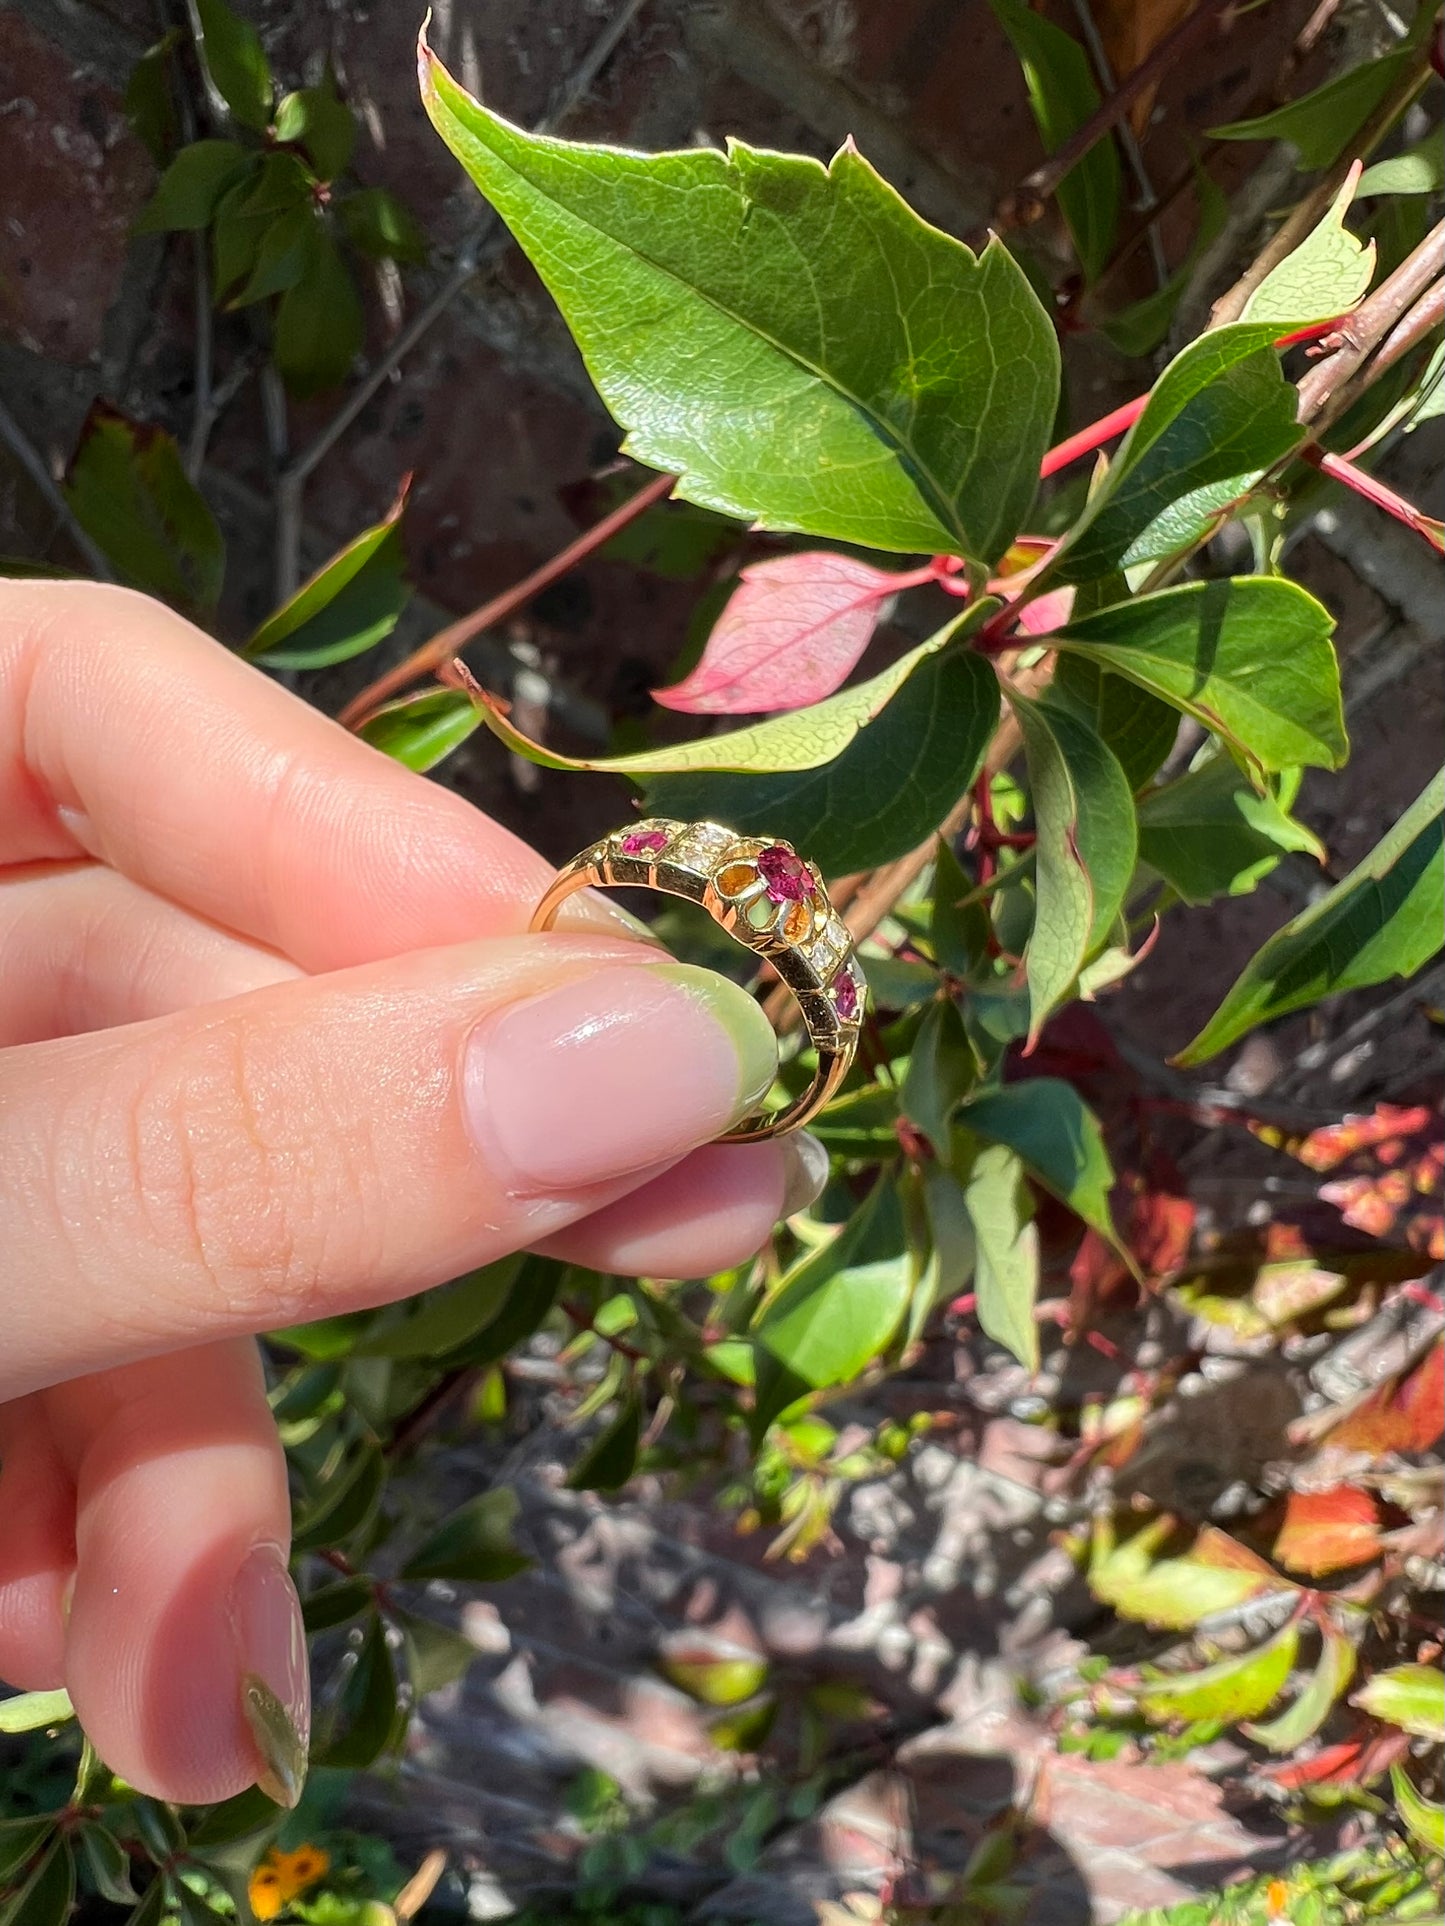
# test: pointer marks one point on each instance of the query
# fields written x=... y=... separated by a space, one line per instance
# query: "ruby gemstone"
x=642 y=840
x=845 y=997
x=788 y=878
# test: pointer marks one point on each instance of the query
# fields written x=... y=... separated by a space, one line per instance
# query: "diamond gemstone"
x=787 y=876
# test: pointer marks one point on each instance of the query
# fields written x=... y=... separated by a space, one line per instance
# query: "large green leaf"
x=1238 y=1687
x=1304 y=1716
x=883 y=794
x=1384 y=919
x=347 y=607
x=1139 y=727
x=1084 y=821
x=840 y=1304
x=1422 y=1816
x=188 y=192
x=1410 y=1696
x=1219 y=415
x=1320 y=125
x=942 y=1069
x=48 y=1894
x=1215 y=1575
x=129 y=491
x=1210 y=833
x=1006 y=1244
x=318 y=321
x=421 y=731
x=236 y=62
x=1063 y=96
x=791 y=340
x=1058 y=1137
x=1250 y=657
x=247 y=212
x=438 y=1321
x=474 y=1544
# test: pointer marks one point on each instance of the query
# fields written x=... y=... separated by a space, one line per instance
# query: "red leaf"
x=790 y=634
x=1047 y=612
x=1403 y=1415
x=1325 y=1531
x=1351 y=1762
x=1386 y=1123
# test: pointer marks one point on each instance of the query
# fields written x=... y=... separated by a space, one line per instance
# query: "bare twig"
x=442 y=646
x=1147 y=204
x=1364 y=330
x=31 y=460
x=1426 y=315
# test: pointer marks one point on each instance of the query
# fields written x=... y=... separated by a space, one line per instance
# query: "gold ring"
x=770 y=899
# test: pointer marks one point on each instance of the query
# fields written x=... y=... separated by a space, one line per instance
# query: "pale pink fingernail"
x=614 y=1072
x=275 y=1681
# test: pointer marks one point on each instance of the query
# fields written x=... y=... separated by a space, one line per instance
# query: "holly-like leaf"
x=1328 y=1531
x=1320 y=125
x=1410 y=1696
x=349 y=605
x=1233 y=1688
x=1210 y=833
x=378 y=224
x=1327 y=274
x=882 y=794
x=1384 y=919
x=1216 y=1575
x=1219 y=415
x=1006 y=1244
x=791 y=340
x=1250 y=658
x=34 y=1711
x=1063 y=96
x=1086 y=848
x=191 y=188
x=1058 y=1137
x=1304 y=1716
x=318 y=330
x=790 y=634
x=1425 y=1819
x=319 y=122
x=129 y=490
x=236 y=62
x=942 y=1069
x=611 y=1458
x=839 y=1305
x=475 y=1543
x=421 y=731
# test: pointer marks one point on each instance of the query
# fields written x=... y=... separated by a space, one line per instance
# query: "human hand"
x=273 y=1045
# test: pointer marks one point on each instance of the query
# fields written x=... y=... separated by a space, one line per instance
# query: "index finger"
x=127 y=734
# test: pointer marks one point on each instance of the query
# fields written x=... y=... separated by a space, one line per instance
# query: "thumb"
x=325 y=1144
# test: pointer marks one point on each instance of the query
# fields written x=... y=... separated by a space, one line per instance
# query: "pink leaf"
x=1047 y=612
x=789 y=636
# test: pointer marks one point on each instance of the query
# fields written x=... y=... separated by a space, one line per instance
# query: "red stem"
x=1094 y=436
x=1340 y=469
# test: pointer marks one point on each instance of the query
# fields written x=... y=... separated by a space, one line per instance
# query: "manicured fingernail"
x=806 y=1172
x=275 y=1681
x=613 y=1072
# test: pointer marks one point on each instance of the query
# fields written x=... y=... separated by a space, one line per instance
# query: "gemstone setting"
x=788 y=878
x=643 y=842
x=845 y=996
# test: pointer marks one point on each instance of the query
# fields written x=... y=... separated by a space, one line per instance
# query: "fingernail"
x=614 y=1072
x=806 y=1172
x=275 y=1680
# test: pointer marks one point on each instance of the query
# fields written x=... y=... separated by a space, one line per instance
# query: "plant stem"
x=1376 y=317
x=1341 y=469
x=456 y=635
x=1094 y=436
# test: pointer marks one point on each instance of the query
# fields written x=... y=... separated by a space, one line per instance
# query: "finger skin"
x=127 y=735
x=713 y=1210
x=37 y=1547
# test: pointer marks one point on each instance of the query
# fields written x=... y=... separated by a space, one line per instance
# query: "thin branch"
x=31 y=460
x=1094 y=436
x=1372 y=489
x=1426 y=315
x=450 y=640
x=1364 y=330
x=1147 y=203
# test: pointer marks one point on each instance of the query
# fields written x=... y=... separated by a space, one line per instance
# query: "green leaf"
x=318 y=330
x=861 y=1123
x=366 y=1716
x=1409 y=1696
x=439 y=1320
x=1219 y=415
x=435 y=1655
x=150 y=99
x=236 y=61
x=1320 y=125
x=244 y=1816
x=320 y=123
x=1301 y=1719
x=1251 y=658
x=528 y=1303
x=1424 y=1819
x=129 y=491
x=882 y=794
x=1084 y=821
x=1063 y=96
x=1234 y=1688
x=421 y=731
x=348 y=606
x=839 y=1305
x=346 y=1506
x=1382 y=920
x=1006 y=1259
x=898 y=391
x=246 y=213
x=1327 y=274
x=33 y=1711
x=475 y=1543
x=1058 y=1137
x=21 y=1839
x=611 y=1458
x=153 y=1904
x=1419 y=170
x=378 y=224
x=957 y=933
x=47 y=1895
x=1176 y=1593
x=952 y=1248
x=332 y=1605
x=282 y=252
x=1209 y=833
x=188 y=192
x=942 y=1070
x=1138 y=727
x=715 y=1681
x=107 y=1864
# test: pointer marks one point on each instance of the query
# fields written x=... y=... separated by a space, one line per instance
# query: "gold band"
x=765 y=895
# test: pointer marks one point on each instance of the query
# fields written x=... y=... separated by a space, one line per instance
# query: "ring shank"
x=833 y=1064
